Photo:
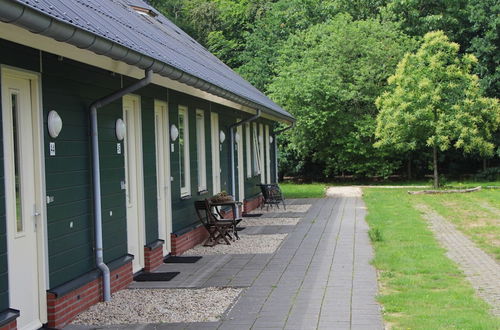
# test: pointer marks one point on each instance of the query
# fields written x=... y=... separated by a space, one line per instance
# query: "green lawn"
x=306 y=190
x=420 y=287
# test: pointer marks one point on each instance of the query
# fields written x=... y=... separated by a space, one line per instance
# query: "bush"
x=490 y=174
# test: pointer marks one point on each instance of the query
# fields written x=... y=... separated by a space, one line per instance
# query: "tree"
x=328 y=77
x=435 y=101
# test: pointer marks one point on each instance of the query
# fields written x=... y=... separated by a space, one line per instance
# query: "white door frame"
x=216 y=169
x=39 y=183
x=241 y=167
x=267 y=144
x=134 y=189
x=163 y=183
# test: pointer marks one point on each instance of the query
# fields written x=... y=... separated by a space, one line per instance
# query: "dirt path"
x=480 y=269
x=349 y=191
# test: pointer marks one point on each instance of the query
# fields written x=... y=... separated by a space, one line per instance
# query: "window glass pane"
x=181 y=148
x=17 y=172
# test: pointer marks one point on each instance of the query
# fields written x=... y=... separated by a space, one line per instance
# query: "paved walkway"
x=319 y=278
x=482 y=271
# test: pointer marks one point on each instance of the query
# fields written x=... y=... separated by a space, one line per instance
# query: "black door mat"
x=155 y=277
x=181 y=260
x=252 y=215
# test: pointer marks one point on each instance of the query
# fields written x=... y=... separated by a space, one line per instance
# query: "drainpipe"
x=96 y=178
x=276 y=148
x=231 y=137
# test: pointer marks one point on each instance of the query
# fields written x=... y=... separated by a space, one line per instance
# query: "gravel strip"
x=289 y=208
x=249 y=222
x=343 y=192
x=247 y=244
x=160 y=306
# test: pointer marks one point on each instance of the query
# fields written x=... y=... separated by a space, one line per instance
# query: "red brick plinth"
x=153 y=257
x=9 y=326
x=63 y=309
x=184 y=242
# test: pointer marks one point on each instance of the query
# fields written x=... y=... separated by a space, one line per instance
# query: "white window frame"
x=185 y=190
x=256 y=151
x=201 y=150
x=248 y=149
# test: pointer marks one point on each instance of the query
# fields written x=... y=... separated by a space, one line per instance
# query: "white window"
x=261 y=154
x=184 y=169
x=256 y=151
x=200 y=150
x=248 y=150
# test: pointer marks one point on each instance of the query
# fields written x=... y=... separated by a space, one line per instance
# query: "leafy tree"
x=435 y=101
x=329 y=76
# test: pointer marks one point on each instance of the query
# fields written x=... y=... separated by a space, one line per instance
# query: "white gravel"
x=247 y=244
x=249 y=222
x=141 y=306
x=289 y=208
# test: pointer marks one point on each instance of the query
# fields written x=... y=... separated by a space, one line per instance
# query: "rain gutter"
x=37 y=22
x=96 y=174
x=276 y=148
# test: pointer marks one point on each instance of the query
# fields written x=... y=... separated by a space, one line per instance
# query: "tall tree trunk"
x=485 y=164
x=436 y=177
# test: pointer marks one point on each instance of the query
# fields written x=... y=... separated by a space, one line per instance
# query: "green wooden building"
x=113 y=122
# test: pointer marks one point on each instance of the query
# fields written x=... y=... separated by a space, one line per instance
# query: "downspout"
x=96 y=178
x=231 y=137
x=276 y=148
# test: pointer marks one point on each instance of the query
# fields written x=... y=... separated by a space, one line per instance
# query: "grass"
x=420 y=287
x=476 y=214
x=309 y=190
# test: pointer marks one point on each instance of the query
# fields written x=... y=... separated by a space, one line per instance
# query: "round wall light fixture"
x=222 y=137
x=271 y=140
x=237 y=137
x=120 y=129
x=174 y=132
x=54 y=124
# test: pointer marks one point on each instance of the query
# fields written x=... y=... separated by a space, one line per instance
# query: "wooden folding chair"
x=272 y=195
x=218 y=229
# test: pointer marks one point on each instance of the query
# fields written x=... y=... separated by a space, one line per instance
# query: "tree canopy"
x=435 y=101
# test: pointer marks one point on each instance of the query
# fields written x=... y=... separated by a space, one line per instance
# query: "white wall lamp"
x=174 y=133
x=237 y=137
x=120 y=129
x=222 y=137
x=54 y=124
x=271 y=140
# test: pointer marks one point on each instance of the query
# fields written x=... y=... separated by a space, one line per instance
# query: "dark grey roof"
x=156 y=37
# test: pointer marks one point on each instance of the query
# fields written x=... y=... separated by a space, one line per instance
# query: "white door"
x=134 y=180
x=22 y=184
x=262 y=155
x=241 y=172
x=267 y=143
x=163 y=174
x=214 y=121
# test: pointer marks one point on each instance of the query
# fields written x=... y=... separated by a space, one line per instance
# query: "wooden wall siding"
x=25 y=58
x=69 y=88
x=148 y=95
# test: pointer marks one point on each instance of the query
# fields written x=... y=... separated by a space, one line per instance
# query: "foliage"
x=310 y=190
x=332 y=101
x=489 y=174
x=420 y=287
x=435 y=101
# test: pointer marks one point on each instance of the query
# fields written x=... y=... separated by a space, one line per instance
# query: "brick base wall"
x=63 y=309
x=9 y=326
x=250 y=205
x=184 y=242
x=153 y=257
